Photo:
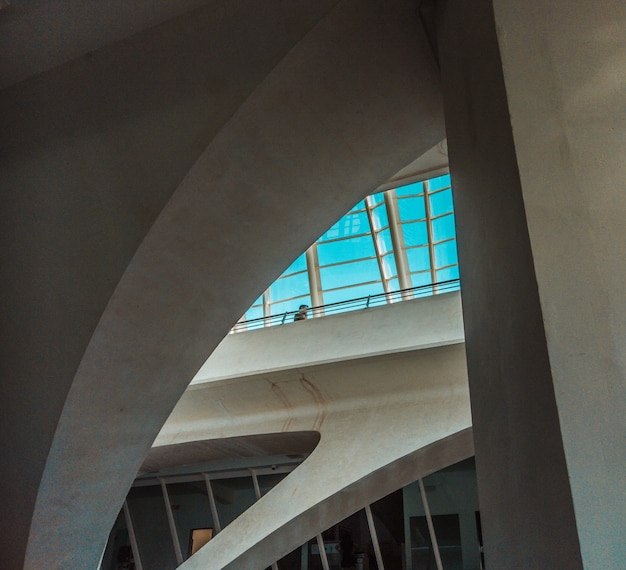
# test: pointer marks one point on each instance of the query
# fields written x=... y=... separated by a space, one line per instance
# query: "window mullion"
x=315 y=281
x=397 y=240
x=429 y=229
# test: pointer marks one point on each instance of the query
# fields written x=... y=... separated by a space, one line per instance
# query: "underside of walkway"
x=386 y=416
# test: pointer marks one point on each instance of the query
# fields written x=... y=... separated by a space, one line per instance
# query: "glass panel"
x=253 y=313
x=448 y=273
x=379 y=217
x=411 y=209
x=419 y=279
x=409 y=189
x=394 y=285
x=287 y=287
x=415 y=234
x=389 y=265
x=349 y=274
x=345 y=250
x=419 y=259
x=298 y=265
x=351 y=224
x=441 y=203
x=352 y=293
x=384 y=241
x=445 y=253
x=443 y=228
x=448 y=533
x=439 y=182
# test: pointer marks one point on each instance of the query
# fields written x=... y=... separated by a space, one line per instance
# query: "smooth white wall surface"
x=398 y=327
x=565 y=72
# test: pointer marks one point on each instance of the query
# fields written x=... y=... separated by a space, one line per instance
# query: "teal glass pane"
x=394 y=284
x=419 y=259
x=441 y=203
x=345 y=250
x=298 y=265
x=358 y=206
x=378 y=198
x=439 y=183
x=353 y=293
x=410 y=189
x=384 y=241
x=443 y=228
x=411 y=209
x=389 y=264
x=289 y=306
x=351 y=224
x=379 y=217
x=448 y=273
x=287 y=287
x=445 y=253
x=415 y=234
x=349 y=274
x=253 y=313
x=422 y=278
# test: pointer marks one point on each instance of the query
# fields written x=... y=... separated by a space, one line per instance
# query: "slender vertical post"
x=133 y=537
x=257 y=492
x=429 y=230
x=431 y=528
x=172 y=522
x=214 y=514
x=255 y=482
x=304 y=557
x=315 y=280
x=369 y=209
x=374 y=535
x=397 y=240
x=322 y=549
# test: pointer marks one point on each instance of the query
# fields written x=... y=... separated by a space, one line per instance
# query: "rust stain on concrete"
x=320 y=400
x=278 y=392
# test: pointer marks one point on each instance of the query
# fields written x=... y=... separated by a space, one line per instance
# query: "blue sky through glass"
x=347 y=252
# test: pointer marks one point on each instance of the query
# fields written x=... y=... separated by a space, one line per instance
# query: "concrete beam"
x=384 y=421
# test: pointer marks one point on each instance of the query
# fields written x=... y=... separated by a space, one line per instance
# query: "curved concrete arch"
x=352 y=103
x=247 y=545
x=384 y=421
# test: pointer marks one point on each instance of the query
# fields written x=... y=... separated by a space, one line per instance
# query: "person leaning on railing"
x=301 y=315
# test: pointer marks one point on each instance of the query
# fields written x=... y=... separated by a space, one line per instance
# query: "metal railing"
x=351 y=305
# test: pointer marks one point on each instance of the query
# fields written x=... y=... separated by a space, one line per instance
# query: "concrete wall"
x=535 y=127
x=565 y=85
x=93 y=150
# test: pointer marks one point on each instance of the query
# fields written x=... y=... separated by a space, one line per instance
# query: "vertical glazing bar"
x=209 y=490
x=172 y=523
x=322 y=549
x=369 y=208
x=304 y=557
x=431 y=528
x=255 y=482
x=374 y=535
x=397 y=240
x=315 y=281
x=266 y=308
x=429 y=229
x=132 y=536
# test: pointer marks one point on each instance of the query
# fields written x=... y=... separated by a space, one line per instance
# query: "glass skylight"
x=391 y=241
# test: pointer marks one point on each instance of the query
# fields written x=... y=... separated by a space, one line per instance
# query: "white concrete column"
x=535 y=120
